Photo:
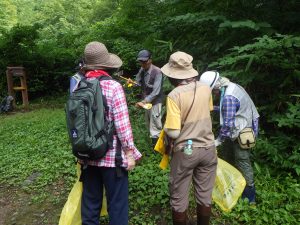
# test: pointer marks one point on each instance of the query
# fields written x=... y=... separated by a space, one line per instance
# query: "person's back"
x=246 y=112
x=110 y=171
x=188 y=124
x=193 y=117
x=237 y=111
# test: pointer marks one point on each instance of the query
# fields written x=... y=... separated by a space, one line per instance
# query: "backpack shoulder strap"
x=103 y=97
x=119 y=159
x=104 y=78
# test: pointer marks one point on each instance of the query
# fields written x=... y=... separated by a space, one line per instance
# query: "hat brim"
x=143 y=59
x=178 y=73
x=113 y=61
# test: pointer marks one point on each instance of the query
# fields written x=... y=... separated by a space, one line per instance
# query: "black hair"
x=79 y=63
x=111 y=71
x=175 y=82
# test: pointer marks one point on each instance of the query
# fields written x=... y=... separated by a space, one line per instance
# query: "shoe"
x=249 y=193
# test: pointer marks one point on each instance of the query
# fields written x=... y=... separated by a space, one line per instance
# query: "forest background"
x=254 y=43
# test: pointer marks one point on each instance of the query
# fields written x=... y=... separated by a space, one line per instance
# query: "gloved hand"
x=217 y=142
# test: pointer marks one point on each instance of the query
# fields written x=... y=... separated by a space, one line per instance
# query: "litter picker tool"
x=120 y=74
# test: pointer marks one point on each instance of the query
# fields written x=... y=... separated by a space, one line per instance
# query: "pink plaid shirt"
x=118 y=112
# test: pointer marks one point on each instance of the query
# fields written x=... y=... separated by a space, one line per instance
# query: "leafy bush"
x=45 y=64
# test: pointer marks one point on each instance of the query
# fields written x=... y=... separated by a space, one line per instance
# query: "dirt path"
x=18 y=208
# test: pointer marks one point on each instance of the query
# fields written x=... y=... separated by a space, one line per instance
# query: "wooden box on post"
x=11 y=74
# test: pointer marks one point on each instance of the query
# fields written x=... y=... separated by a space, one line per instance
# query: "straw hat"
x=96 y=56
x=180 y=66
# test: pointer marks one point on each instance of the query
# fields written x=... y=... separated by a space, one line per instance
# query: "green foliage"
x=16 y=49
x=47 y=42
x=149 y=195
x=8 y=15
x=35 y=150
x=17 y=45
x=45 y=72
x=273 y=51
x=280 y=151
x=36 y=156
x=244 y=24
x=291 y=119
x=127 y=51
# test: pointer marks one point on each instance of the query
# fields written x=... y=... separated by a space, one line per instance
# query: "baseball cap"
x=144 y=55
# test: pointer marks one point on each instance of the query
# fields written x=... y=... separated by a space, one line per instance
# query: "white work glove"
x=217 y=142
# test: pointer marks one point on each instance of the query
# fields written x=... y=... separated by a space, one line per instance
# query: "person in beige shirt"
x=188 y=124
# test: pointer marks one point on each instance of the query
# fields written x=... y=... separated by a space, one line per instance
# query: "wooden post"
x=19 y=72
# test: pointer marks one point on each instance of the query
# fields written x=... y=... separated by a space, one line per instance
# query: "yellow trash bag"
x=71 y=213
x=161 y=148
x=229 y=186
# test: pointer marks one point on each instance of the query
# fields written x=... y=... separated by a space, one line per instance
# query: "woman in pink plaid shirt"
x=103 y=172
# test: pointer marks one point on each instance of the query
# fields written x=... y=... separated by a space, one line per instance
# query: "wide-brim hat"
x=180 y=66
x=96 y=56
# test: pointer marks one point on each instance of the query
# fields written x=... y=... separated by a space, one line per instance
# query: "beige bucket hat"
x=180 y=66
x=96 y=56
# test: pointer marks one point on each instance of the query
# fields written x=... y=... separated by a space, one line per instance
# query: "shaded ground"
x=19 y=207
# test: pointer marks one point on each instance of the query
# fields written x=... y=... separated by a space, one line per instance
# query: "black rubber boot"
x=249 y=193
x=179 y=218
x=203 y=214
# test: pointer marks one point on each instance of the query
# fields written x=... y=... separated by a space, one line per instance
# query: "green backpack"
x=90 y=133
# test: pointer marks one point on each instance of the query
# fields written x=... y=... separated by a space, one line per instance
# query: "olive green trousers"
x=232 y=153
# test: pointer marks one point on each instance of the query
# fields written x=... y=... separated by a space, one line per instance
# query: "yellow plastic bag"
x=229 y=186
x=161 y=148
x=71 y=213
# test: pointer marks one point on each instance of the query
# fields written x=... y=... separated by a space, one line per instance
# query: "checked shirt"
x=118 y=112
x=230 y=105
